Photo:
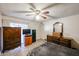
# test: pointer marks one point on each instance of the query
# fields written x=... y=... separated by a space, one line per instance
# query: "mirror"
x=58 y=27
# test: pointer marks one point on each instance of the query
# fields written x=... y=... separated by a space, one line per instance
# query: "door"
x=33 y=35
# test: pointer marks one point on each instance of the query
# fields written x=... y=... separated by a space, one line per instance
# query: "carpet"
x=52 y=49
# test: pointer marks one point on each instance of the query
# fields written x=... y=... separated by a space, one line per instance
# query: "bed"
x=52 y=49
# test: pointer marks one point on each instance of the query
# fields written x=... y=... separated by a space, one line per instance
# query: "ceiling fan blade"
x=32 y=5
x=30 y=14
x=46 y=12
x=53 y=17
x=44 y=17
x=51 y=5
x=22 y=11
x=32 y=9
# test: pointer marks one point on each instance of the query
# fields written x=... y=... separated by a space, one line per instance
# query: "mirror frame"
x=61 y=27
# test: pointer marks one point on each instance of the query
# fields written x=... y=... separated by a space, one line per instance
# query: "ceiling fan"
x=42 y=13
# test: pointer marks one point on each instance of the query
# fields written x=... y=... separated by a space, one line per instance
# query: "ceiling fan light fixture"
x=37 y=17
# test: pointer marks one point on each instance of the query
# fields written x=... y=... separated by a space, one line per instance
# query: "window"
x=23 y=26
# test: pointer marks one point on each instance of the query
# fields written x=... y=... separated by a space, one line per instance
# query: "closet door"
x=11 y=37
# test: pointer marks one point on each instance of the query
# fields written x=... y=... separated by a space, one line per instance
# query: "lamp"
x=37 y=17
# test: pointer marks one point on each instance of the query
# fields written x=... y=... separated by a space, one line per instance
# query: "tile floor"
x=23 y=51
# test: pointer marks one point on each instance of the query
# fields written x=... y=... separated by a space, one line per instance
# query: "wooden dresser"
x=28 y=40
x=11 y=37
x=63 y=41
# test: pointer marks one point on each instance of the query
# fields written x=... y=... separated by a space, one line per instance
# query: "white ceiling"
x=59 y=11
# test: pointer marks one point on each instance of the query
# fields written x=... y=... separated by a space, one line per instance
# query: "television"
x=26 y=31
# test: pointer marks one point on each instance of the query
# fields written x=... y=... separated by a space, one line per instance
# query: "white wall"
x=39 y=28
x=7 y=20
x=1 y=32
x=31 y=24
x=0 y=20
x=0 y=29
x=71 y=27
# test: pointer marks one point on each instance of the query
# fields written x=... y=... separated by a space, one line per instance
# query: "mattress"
x=52 y=49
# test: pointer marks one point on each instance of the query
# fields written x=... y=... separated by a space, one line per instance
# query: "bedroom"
x=40 y=17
